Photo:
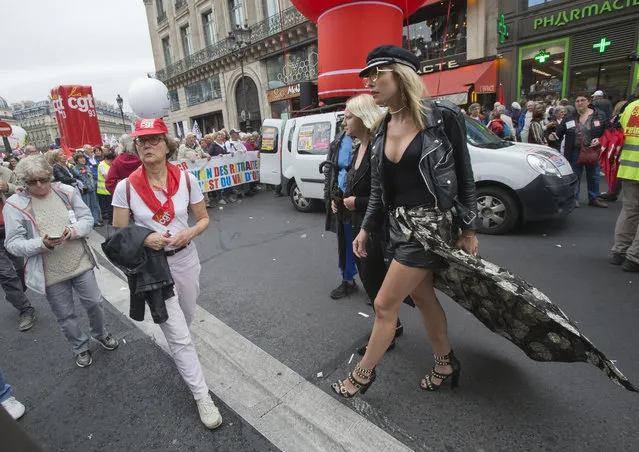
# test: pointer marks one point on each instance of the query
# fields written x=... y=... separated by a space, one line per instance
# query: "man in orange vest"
x=12 y=267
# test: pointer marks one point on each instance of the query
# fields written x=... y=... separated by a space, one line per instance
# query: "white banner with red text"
x=224 y=171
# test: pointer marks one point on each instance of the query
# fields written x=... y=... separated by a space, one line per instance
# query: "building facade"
x=202 y=65
x=6 y=115
x=556 y=48
x=39 y=121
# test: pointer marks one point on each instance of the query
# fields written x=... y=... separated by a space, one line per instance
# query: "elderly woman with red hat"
x=158 y=195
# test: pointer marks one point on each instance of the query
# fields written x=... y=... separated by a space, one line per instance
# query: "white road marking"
x=289 y=411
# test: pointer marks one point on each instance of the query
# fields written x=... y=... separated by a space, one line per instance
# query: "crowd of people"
x=554 y=123
x=400 y=195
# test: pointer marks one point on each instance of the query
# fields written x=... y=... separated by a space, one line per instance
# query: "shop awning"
x=455 y=82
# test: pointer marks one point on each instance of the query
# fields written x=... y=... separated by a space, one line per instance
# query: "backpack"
x=496 y=126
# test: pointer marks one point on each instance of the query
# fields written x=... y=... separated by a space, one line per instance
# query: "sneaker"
x=84 y=359
x=630 y=266
x=610 y=197
x=109 y=342
x=209 y=414
x=27 y=319
x=222 y=202
x=14 y=408
x=618 y=259
x=344 y=290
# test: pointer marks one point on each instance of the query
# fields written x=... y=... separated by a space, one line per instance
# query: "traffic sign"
x=5 y=129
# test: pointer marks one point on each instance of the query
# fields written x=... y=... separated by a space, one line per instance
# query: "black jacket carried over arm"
x=331 y=171
x=358 y=184
x=147 y=271
x=445 y=166
x=568 y=129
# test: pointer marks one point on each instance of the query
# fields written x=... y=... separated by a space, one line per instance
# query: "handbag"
x=588 y=155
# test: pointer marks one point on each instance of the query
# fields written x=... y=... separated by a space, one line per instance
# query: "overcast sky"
x=45 y=43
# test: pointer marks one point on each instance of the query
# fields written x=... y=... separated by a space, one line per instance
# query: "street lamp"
x=240 y=37
x=120 y=102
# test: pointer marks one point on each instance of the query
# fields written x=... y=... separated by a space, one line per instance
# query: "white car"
x=516 y=182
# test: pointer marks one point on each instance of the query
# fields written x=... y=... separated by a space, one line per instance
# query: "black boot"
x=618 y=259
x=344 y=290
x=630 y=266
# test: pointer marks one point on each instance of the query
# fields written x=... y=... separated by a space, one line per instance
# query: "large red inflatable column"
x=346 y=31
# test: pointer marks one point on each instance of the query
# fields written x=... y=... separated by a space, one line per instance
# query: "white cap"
x=598 y=93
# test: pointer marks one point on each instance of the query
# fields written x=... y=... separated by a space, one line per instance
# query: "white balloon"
x=149 y=98
x=18 y=138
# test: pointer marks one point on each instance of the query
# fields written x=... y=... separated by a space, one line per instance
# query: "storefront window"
x=428 y=28
x=542 y=70
x=301 y=65
x=611 y=78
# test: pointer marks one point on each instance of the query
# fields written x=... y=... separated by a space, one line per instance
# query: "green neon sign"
x=542 y=56
x=502 y=29
x=601 y=45
x=570 y=16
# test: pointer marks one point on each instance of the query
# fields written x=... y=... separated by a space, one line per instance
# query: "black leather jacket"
x=445 y=166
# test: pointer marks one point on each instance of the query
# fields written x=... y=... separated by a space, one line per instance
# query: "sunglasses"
x=44 y=180
x=151 y=139
x=373 y=76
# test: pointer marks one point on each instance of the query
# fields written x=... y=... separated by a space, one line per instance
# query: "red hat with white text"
x=149 y=127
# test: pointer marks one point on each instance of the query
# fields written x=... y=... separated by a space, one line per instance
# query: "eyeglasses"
x=373 y=76
x=150 y=139
x=43 y=180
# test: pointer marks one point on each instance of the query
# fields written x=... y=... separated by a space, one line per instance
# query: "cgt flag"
x=76 y=116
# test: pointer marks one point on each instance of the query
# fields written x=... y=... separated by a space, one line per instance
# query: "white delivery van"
x=516 y=182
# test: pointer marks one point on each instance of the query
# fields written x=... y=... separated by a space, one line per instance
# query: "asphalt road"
x=267 y=272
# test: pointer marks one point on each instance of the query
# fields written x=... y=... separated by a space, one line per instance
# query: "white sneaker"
x=209 y=414
x=221 y=202
x=14 y=408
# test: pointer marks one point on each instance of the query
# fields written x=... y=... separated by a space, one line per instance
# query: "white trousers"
x=185 y=269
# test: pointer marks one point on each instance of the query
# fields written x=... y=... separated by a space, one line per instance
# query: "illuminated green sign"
x=542 y=56
x=601 y=45
x=502 y=29
x=575 y=14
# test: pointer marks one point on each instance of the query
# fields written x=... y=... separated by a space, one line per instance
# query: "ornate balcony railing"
x=272 y=25
x=161 y=17
x=290 y=18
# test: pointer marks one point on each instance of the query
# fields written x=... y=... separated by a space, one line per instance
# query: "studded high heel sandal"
x=340 y=389
x=443 y=360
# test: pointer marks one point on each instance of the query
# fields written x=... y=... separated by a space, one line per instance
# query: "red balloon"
x=312 y=9
x=347 y=31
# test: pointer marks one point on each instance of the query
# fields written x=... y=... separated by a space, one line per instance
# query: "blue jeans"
x=348 y=273
x=592 y=177
x=5 y=389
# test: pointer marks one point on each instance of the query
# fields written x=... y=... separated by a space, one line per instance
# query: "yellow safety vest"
x=629 y=159
x=102 y=190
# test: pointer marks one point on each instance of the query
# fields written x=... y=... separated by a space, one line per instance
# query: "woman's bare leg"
x=434 y=319
x=399 y=282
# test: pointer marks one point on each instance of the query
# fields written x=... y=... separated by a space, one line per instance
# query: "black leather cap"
x=389 y=54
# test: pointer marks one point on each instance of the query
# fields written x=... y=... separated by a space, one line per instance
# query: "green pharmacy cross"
x=542 y=56
x=602 y=45
x=502 y=29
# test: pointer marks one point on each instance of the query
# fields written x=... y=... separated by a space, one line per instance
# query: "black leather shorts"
x=410 y=252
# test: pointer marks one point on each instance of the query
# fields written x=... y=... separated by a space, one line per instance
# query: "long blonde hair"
x=365 y=108
x=412 y=90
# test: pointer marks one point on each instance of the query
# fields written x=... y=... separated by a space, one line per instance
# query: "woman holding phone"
x=47 y=223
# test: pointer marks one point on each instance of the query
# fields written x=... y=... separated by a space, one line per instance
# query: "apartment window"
x=270 y=7
x=159 y=5
x=209 y=28
x=202 y=91
x=533 y=3
x=166 y=49
x=174 y=100
x=187 y=42
x=237 y=13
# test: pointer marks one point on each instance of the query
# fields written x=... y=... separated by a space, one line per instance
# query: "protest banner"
x=224 y=171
